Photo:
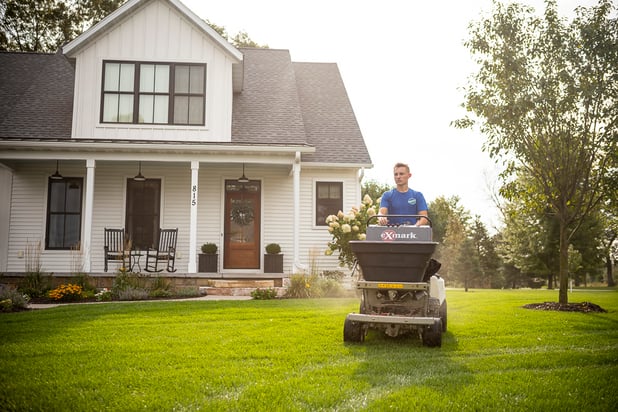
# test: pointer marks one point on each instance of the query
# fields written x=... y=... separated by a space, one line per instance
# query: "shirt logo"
x=412 y=201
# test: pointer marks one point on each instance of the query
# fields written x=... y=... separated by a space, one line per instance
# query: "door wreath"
x=242 y=213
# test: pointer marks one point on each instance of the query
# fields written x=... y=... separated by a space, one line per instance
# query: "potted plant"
x=208 y=259
x=273 y=259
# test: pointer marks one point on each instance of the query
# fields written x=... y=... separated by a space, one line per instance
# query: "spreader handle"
x=387 y=216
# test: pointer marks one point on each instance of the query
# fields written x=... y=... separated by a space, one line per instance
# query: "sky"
x=403 y=64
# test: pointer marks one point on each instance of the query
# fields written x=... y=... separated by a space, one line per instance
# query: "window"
x=153 y=93
x=329 y=200
x=64 y=213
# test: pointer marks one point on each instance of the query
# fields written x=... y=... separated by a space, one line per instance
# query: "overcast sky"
x=403 y=63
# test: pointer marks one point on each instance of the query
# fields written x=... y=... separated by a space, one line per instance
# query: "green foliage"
x=264 y=294
x=35 y=284
x=273 y=248
x=496 y=356
x=209 y=248
x=313 y=286
x=241 y=39
x=374 y=189
x=347 y=227
x=104 y=295
x=544 y=96
x=12 y=300
x=45 y=25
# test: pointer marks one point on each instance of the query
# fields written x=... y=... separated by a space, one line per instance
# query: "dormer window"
x=153 y=93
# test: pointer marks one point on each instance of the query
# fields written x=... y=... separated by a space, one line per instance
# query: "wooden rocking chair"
x=164 y=253
x=114 y=247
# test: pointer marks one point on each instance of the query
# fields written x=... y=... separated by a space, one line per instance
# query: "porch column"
x=297 y=267
x=88 y=207
x=195 y=167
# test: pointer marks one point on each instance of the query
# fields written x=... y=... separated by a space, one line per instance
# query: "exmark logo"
x=390 y=235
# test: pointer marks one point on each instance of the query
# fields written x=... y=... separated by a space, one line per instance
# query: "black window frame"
x=172 y=93
x=331 y=206
x=52 y=214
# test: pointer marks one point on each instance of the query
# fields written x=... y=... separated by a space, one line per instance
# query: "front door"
x=143 y=212
x=242 y=225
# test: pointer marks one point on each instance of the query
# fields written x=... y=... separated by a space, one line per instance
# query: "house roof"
x=283 y=103
x=37 y=95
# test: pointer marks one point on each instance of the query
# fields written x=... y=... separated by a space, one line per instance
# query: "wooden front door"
x=242 y=225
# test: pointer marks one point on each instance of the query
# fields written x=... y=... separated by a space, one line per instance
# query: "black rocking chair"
x=165 y=252
x=114 y=246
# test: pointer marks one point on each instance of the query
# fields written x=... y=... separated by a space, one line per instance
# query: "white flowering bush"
x=349 y=226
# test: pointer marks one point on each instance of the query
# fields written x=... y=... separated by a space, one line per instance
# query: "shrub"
x=264 y=294
x=302 y=286
x=331 y=288
x=11 y=299
x=273 y=248
x=133 y=293
x=350 y=226
x=66 y=292
x=209 y=248
x=83 y=280
x=35 y=284
x=336 y=275
x=103 y=295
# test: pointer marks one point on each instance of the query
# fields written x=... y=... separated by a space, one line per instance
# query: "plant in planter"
x=209 y=248
x=208 y=259
x=273 y=259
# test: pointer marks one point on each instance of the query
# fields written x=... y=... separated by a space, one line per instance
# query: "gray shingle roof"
x=267 y=109
x=37 y=95
x=330 y=123
x=282 y=103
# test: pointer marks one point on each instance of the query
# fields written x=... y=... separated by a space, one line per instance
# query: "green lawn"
x=290 y=355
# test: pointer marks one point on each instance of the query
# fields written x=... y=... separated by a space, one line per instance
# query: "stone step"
x=236 y=287
x=242 y=283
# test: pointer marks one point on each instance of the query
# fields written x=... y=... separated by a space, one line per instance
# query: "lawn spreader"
x=400 y=289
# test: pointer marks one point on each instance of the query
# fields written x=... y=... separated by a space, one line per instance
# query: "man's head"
x=401 y=173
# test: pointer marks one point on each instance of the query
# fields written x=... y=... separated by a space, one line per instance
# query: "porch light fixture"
x=56 y=175
x=139 y=177
x=243 y=178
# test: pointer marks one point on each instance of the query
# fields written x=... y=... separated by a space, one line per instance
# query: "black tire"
x=443 y=315
x=432 y=336
x=353 y=331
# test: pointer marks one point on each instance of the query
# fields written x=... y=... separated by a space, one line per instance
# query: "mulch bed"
x=584 y=307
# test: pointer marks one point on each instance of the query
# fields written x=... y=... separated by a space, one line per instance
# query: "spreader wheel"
x=353 y=331
x=432 y=336
x=443 y=315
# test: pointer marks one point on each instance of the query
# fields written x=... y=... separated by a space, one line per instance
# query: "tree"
x=45 y=25
x=374 y=190
x=545 y=95
x=485 y=249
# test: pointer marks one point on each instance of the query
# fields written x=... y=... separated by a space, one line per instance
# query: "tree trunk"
x=563 y=296
x=610 y=271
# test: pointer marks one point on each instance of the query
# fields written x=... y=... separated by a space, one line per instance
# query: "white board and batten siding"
x=155 y=33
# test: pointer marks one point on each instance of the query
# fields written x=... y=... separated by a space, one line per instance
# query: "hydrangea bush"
x=349 y=226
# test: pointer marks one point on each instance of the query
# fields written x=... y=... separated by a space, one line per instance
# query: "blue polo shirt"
x=408 y=203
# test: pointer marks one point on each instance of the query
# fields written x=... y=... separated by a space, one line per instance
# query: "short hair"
x=399 y=164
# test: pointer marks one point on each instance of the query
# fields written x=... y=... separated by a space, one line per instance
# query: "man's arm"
x=422 y=221
x=383 y=211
